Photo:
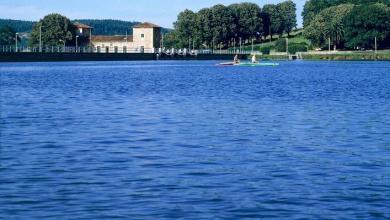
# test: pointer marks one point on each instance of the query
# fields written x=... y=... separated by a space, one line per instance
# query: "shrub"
x=297 y=47
x=265 y=50
x=280 y=45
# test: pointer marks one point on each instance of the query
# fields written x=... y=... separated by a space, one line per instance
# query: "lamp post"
x=376 y=46
x=63 y=43
x=77 y=48
x=287 y=45
x=16 y=42
x=162 y=41
x=40 y=38
x=234 y=44
x=252 y=45
x=240 y=44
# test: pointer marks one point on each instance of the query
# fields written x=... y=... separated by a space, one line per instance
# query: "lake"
x=191 y=140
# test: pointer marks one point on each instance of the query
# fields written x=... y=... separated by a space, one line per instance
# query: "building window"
x=124 y=49
x=115 y=49
x=142 y=35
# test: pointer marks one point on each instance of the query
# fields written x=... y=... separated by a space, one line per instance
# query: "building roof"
x=79 y=25
x=115 y=38
x=146 y=25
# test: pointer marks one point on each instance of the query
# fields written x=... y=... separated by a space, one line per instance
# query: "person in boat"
x=254 y=59
x=236 y=60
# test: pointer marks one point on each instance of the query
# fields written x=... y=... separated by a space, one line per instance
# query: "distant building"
x=109 y=44
x=146 y=38
x=84 y=32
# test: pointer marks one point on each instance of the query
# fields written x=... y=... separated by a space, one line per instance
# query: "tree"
x=364 y=23
x=171 y=40
x=247 y=19
x=55 y=27
x=271 y=21
x=313 y=7
x=223 y=25
x=7 y=35
x=204 y=27
x=329 y=23
x=185 y=27
x=287 y=11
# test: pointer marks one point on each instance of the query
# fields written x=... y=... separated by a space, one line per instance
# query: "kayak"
x=258 y=64
x=227 y=64
x=248 y=64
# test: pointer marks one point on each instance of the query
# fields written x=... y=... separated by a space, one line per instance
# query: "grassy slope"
x=295 y=37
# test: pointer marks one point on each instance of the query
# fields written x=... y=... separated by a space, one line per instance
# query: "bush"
x=280 y=45
x=297 y=47
x=265 y=50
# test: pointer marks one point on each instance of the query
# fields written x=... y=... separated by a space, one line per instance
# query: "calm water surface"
x=158 y=140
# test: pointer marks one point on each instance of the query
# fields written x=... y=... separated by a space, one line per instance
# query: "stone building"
x=84 y=33
x=146 y=38
x=83 y=30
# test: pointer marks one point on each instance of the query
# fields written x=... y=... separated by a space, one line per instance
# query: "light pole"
x=77 y=48
x=126 y=38
x=376 y=46
x=162 y=41
x=269 y=29
x=240 y=44
x=234 y=44
x=16 y=42
x=63 y=43
x=252 y=45
x=287 y=45
x=40 y=38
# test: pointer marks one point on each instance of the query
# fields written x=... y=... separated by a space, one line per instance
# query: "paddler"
x=254 y=59
x=236 y=60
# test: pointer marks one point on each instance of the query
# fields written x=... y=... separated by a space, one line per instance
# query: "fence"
x=57 y=49
x=114 y=49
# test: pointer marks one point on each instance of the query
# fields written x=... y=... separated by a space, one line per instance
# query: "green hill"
x=18 y=25
x=108 y=26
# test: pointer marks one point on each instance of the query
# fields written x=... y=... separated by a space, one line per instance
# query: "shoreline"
x=63 y=57
x=335 y=57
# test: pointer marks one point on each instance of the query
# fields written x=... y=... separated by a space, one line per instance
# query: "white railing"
x=343 y=52
x=57 y=49
x=113 y=49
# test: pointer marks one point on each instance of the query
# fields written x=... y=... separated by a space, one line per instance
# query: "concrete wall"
x=56 y=57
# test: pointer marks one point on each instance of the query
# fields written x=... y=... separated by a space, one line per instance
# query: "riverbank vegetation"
x=339 y=24
x=225 y=26
x=347 y=24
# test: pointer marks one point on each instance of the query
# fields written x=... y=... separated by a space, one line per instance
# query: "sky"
x=161 y=12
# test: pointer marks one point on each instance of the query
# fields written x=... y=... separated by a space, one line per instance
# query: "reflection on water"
x=155 y=140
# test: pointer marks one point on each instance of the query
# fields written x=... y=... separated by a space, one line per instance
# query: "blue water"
x=190 y=140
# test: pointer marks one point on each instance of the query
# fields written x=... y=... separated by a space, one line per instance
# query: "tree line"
x=347 y=24
x=17 y=25
x=226 y=26
x=57 y=27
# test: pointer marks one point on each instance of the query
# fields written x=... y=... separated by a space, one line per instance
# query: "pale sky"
x=161 y=12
